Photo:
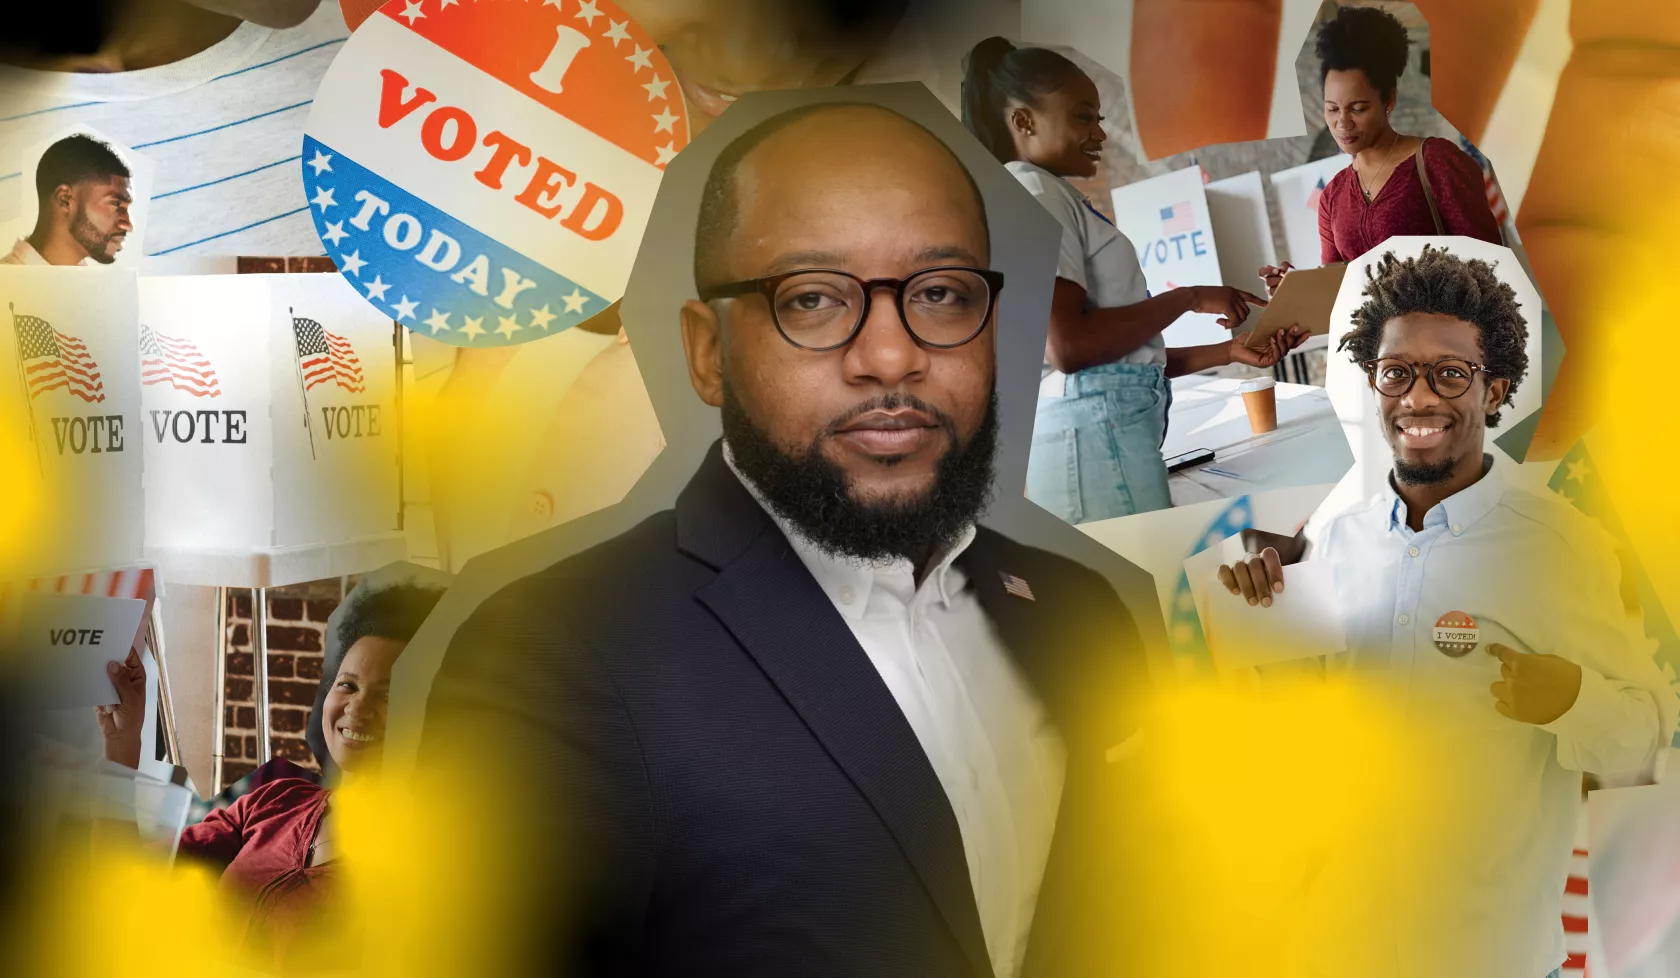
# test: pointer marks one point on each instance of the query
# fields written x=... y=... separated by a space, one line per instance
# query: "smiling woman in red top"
x=274 y=845
x=1397 y=184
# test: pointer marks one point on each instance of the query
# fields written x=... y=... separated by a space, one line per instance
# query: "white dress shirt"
x=981 y=724
x=1479 y=872
x=24 y=253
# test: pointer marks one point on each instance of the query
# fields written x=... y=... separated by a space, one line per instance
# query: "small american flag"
x=178 y=363
x=1017 y=586
x=1177 y=218
x=1576 y=925
x=111 y=584
x=326 y=357
x=61 y=360
x=1314 y=195
x=1490 y=185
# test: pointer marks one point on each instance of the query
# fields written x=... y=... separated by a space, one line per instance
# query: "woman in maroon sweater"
x=1382 y=194
x=274 y=846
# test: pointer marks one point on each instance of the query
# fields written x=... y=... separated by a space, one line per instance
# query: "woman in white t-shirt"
x=1102 y=410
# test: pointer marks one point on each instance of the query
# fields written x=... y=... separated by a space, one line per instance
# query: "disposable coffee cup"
x=1260 y=400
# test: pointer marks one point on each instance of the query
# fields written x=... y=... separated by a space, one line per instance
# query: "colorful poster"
x=482 y=172
x=1298 y=190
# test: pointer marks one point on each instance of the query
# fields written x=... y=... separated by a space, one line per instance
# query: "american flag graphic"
x=1016 y=586
x=110 y=584
x=1576 y=926
x=326 y=357
x=178 y=363
x=1314 y=195
x=1490 y=185
x=53 y=360
x=1177 y=218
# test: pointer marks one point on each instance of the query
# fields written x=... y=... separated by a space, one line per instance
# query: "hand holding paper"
x=121 y=723
x=1267 y=622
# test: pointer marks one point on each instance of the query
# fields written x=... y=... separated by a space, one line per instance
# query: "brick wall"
x=296 y=630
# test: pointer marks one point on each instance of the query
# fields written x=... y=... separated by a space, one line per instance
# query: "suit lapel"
x=768 y=600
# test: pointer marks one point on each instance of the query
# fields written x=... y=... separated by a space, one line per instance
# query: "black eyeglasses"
x=1448 y=377
x=821 y=309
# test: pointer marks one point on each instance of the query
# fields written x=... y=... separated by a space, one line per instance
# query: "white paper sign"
x=1305 y=620
x=1298 y=190
x=70 y=414
x=70 y=638
x=1167 y=220
x=1237 y=206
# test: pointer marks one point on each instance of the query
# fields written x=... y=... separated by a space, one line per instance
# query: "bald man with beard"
x=815 y=720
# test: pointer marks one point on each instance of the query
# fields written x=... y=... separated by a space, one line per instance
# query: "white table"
x=1307 y=447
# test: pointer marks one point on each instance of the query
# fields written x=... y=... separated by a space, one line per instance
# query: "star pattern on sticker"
x=664 y=121
x=667 y=153
x=412 y=12
x=587 y=12
x=321 y=163
x=556 y=4
x=656 y=88
x=352 y=263
x=575 y=301
x=404 y=309
x=474 y=327
x=540 y=318
x=438 y=321
x=376 y=288
x=323 y=198
x=642 y=58
x=334 y=233
x=446 y=3
x=1578 y=470
x=617 y=31
x=508 y=325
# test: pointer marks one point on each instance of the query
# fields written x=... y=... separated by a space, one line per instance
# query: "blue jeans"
x=1096 y=450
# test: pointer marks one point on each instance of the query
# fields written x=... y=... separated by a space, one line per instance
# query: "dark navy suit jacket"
x=737 y=792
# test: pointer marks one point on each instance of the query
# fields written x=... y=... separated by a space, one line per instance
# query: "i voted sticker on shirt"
x=482 y=170
x=1456 y=634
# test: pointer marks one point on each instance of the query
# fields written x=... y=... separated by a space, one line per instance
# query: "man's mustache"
x=891 y=402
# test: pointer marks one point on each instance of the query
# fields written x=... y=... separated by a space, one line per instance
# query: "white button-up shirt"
x=982 y=726
x=1479 y=877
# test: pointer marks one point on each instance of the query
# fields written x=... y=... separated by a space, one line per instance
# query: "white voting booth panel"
x=271 y=433
x=1237 y=207
x=70 y=406
x=1167 y=220
x=1298 y=189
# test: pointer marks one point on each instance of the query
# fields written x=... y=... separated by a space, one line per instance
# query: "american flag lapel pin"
x=1017 y=586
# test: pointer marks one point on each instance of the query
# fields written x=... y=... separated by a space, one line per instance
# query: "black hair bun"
x=987 y=55
x=1367 y=38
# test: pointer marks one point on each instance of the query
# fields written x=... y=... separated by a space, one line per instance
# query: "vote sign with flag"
x=482 y=171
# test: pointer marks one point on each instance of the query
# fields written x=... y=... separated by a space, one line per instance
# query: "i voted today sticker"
x=482 y=170
x=1456 y=634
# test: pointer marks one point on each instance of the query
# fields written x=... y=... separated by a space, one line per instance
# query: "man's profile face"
x=1430 y=435
x=863 y=191
x=99 y=220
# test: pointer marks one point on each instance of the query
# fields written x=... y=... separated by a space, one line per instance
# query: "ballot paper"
x=67 y=639
x=1305 y=620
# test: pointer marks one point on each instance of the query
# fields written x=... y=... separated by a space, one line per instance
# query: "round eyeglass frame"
x=1429 y=375
x=768 y=285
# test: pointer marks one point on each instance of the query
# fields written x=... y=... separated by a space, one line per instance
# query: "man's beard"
x=93 y=241
x=1424 y=473
x=814 y=493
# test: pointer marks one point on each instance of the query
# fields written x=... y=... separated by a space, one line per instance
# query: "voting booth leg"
x=218 y=699
x=166 y=705
x=259 y=630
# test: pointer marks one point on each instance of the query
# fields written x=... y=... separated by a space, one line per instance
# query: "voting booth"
x=70 y=409
x=1297 y=190
x=270 y=429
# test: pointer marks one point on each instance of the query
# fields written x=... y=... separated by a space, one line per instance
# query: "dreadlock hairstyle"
x=996 y=73
x=1438 y=282
x=1369 y=39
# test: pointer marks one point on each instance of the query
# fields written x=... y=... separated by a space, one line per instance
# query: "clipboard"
x=1305 y=297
